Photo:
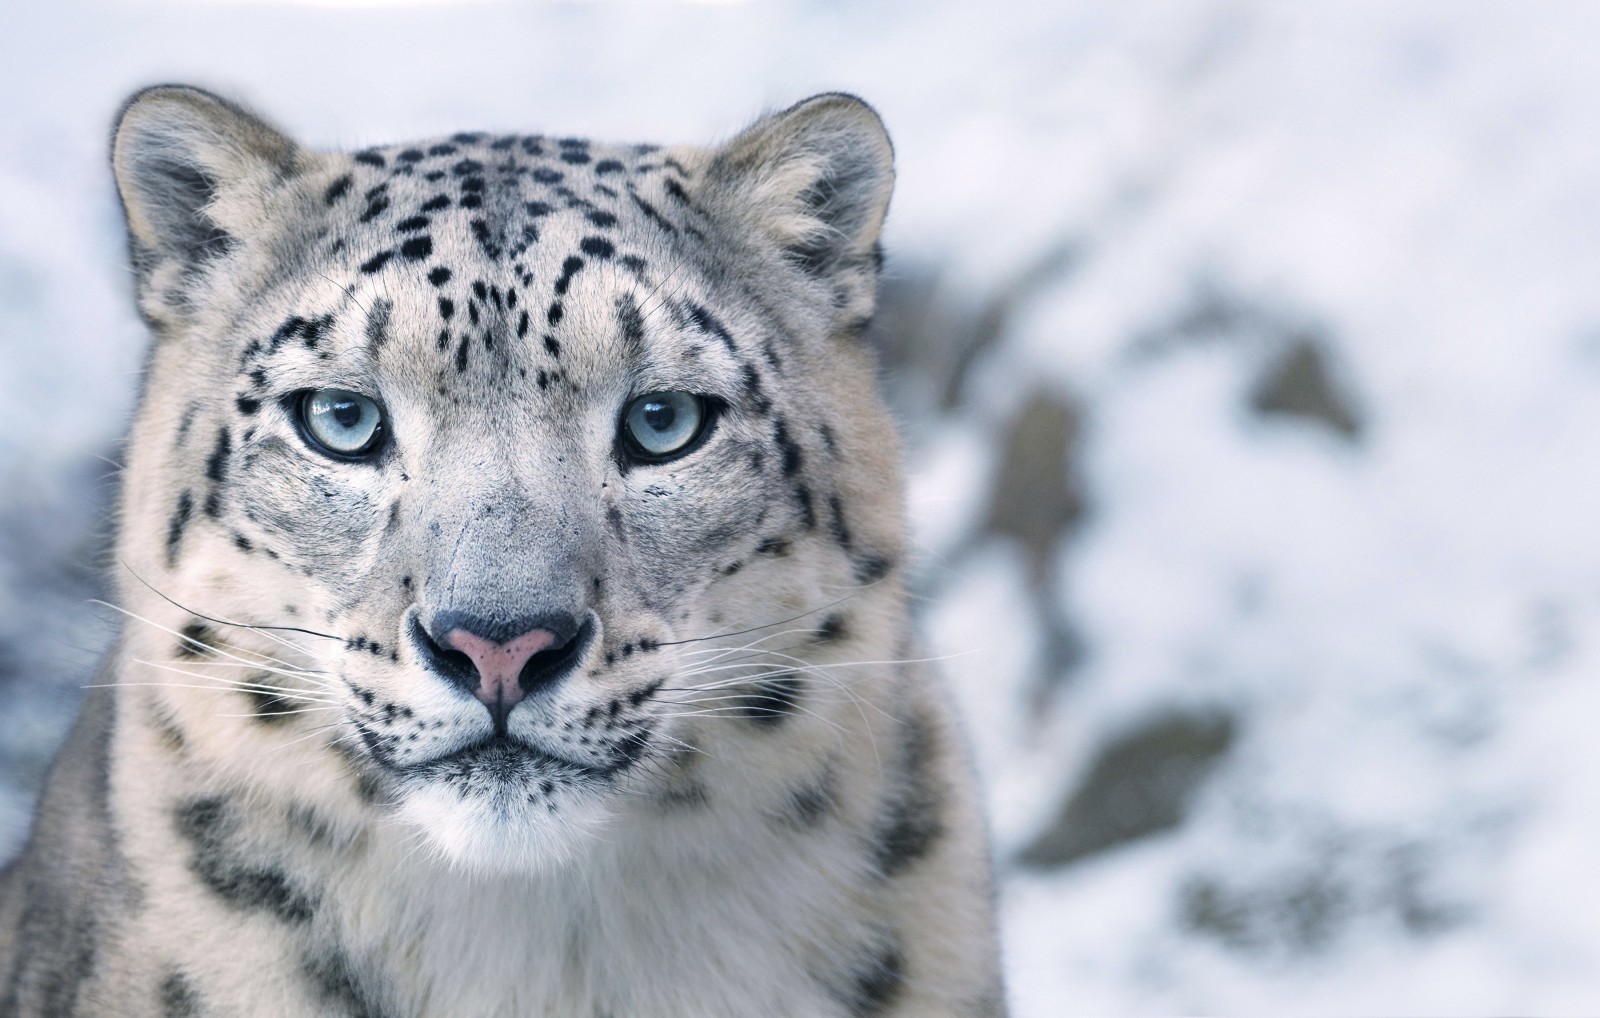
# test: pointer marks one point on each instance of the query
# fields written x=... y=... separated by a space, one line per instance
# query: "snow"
x=1405 y=624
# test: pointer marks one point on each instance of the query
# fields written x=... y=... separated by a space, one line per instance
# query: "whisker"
x=756 y=629
x=162 y=685
x=187 y=639
x=223 y=622
x=321 y=693
x=277 y=713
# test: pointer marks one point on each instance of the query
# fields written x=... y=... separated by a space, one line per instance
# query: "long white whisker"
x=165 y=629
x=173 y=685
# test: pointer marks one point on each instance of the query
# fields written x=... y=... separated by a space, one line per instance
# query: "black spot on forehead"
x=338 y=189
x=652 y=214
x=488 y=242
x=377 y=203
x=705 y=321
x=630 y=324
x=377 y=330
x=675 y=190
x=569 y=268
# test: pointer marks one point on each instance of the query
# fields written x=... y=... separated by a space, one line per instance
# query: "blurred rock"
x=1141 y=783
x=1297 y=384
x=1296 y=378
x=1303 y=906
x=1035 y=498
x=1213 y=314
x=991 y=324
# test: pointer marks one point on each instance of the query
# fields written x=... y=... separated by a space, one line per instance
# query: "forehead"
x=485 y=249
x=507 y=204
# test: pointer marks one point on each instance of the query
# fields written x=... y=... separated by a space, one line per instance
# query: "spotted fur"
x=745 y=798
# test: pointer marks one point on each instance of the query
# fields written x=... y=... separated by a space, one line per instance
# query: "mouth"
x=501 y=760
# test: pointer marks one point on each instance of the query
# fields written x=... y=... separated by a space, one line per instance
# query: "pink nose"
x=499 y=664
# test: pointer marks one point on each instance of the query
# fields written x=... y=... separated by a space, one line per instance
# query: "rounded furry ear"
x=191 y=169
x=815 y=178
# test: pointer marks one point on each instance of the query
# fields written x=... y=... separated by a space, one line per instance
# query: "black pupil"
x=347 y=415
x=659 y=416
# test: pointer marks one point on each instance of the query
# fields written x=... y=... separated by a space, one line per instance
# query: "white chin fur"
x=478 y=835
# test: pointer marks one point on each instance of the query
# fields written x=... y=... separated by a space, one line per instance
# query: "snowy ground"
x=1249 y=354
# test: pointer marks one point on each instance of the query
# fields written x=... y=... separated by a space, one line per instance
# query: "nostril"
x=553 y=663
x=447 y=662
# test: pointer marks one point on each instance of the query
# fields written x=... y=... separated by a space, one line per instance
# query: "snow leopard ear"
x=816 y=180
x=192 y=171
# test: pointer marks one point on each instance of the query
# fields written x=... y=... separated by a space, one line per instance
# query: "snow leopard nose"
x=497 y=668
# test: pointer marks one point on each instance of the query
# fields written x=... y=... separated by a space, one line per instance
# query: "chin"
x=497 y=825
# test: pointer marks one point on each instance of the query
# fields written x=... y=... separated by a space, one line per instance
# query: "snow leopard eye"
x=662 y=425
x=341 y=423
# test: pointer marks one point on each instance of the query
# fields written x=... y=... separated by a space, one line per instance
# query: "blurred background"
x=1248 y=359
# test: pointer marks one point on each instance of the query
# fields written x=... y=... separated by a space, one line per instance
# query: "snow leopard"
x=511 y=563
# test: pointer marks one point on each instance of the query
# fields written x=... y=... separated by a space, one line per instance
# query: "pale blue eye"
x=342 y=422
x=661 y=423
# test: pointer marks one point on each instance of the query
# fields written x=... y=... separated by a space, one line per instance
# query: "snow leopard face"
x=478 y=442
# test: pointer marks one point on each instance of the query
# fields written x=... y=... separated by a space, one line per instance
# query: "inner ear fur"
x=815 y=179
x=192 y=170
